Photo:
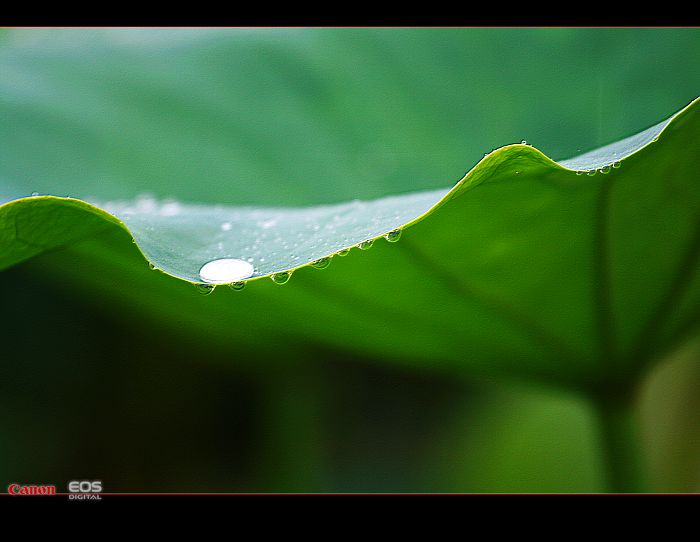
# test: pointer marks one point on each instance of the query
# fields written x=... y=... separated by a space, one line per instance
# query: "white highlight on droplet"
x=170 y=208
x=226 y=226
x=146 y=203
x=226 y=270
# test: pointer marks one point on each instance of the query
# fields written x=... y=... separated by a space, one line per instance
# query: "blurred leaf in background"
x=148 y=387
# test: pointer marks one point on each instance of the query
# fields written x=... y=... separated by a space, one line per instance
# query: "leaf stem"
x=293 y=458
x=620 y=440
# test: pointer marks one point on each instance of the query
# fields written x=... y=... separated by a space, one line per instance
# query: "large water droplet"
x=395 y=235
x=281 y=278
x=226 y=270
x=366 y=245
x=321 y=263
x=205 y=289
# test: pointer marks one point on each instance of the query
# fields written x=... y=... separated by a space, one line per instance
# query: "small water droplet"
x=35 y=194
x=605 y=170
x=170 y=208
x=366 y=245
x=146 y=203
x=226 y=226
x=580 y=172
x=523 y=142
x=153 y=267
x=205 y=289
x=281 y=278
x=321 y=263
x=590 y=172
x=237 y=285
x=394 y=235
x=617 y=164
x=655 y=139
x=343 y=252
x=226 y=270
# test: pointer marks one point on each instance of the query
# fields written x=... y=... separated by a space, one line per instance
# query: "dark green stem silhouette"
x=620 y=441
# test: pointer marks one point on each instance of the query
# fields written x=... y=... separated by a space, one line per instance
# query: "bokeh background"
x=95 y=389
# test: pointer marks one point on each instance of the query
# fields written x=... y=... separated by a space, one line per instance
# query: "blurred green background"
x=95 y=390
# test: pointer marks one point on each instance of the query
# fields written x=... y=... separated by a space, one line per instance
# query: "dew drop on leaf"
x=343 y=252
x=226 y=270
x=321 y=263
x=35 y=194
x=617 y=164
x=281 y=278
x=366 y=245
x=590 y=172
x=204 y=289
x=605 y=170
x=394 y=235
x=580 y=172
x=170 y=208
x=146 y=203
x=237 y=285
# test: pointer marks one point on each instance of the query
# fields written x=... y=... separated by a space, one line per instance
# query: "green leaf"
x=180 y=239
x=523 y=266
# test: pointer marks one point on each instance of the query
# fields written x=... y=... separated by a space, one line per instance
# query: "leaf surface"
x=524 y=266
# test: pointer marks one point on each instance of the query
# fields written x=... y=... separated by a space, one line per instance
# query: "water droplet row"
x=604 y=169
x=207 y=289
x=233 y=271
